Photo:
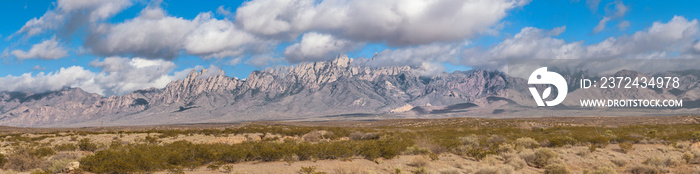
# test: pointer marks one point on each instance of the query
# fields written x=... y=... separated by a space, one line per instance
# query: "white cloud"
x=415 y=56
x=593 y=5
x=37 y=67
x=71 y=14
x=48 y=49
x=263 y=60
x=118 y=76
x=224 y=11
x=153 y=34
x=601 y=25
x=658 y=41
x=317 y=46
x=678 y=32
x=430 y=69
x=398 y=22
x=530 y=43
x=234 y=61
x=220 y=38
x=623 y=25
x=74 y=76
x=613 y=10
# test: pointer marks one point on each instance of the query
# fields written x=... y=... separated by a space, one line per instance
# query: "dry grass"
x=431 y=146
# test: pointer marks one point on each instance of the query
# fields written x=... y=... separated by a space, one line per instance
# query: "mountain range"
x=338 y=88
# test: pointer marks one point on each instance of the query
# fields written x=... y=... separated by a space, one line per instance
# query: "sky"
x=113 y=47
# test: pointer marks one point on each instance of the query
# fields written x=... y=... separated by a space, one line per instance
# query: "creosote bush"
x=155 y=157
x=556 y=169
x=86 y=145
x=626 y=147
x=543 y=157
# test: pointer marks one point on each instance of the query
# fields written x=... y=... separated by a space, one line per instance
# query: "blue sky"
x=95 y=45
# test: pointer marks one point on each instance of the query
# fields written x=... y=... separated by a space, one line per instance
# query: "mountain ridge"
x=312 y=89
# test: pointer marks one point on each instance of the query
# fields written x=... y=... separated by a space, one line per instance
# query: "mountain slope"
x=307 y=90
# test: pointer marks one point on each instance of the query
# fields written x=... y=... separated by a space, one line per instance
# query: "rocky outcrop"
x=310 y=89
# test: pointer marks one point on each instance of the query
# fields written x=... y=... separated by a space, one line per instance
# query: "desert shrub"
x=470 y=141
x=619 y=162
x=363 y=136
x=691 y=157
x=151 y=140
x=3 y=160
x=560 y=141
x=543 y=156
x=154 y=157
x=696 y=136
x=592 y=147
x=643 y=169
x=514 y=160
x=86 y=145
x=494 y=170
x=213 y=167
x=309 y=170
x=528 y=155
x=418 y=162
x=601 y=170
x=25 y=158
x=626 y=147
x=556 y=169
x=65 y=147
x=479 y=153
x=41 y=152
x=57 y=165
x=505 y=148
x=313 y=136
x=495 y=140
x=416 y=150
x=599 y=141
x=449 y=171
x=421 y=170
x=527 y=142
x=662 y=163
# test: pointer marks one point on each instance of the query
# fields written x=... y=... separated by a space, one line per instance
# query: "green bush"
x=643 y=169
x=65 y=147
x=86 y=145
x=556 y=169
x=543 y=156
x=626 y=147
x=3 y=160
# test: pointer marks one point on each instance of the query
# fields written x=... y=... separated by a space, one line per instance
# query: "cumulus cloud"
x=317 y=46
x=678 y=32
x=74 y=76
x=69 y=15
x=395 y=22
x=658 y=41
x=221 y=38
x=48 y=49
x=154 y=34
x=118 y=76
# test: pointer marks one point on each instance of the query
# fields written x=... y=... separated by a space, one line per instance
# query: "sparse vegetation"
x=626 y=147
x=496 y=142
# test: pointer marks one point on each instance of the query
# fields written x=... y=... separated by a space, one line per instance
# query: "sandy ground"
x=575 y=157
